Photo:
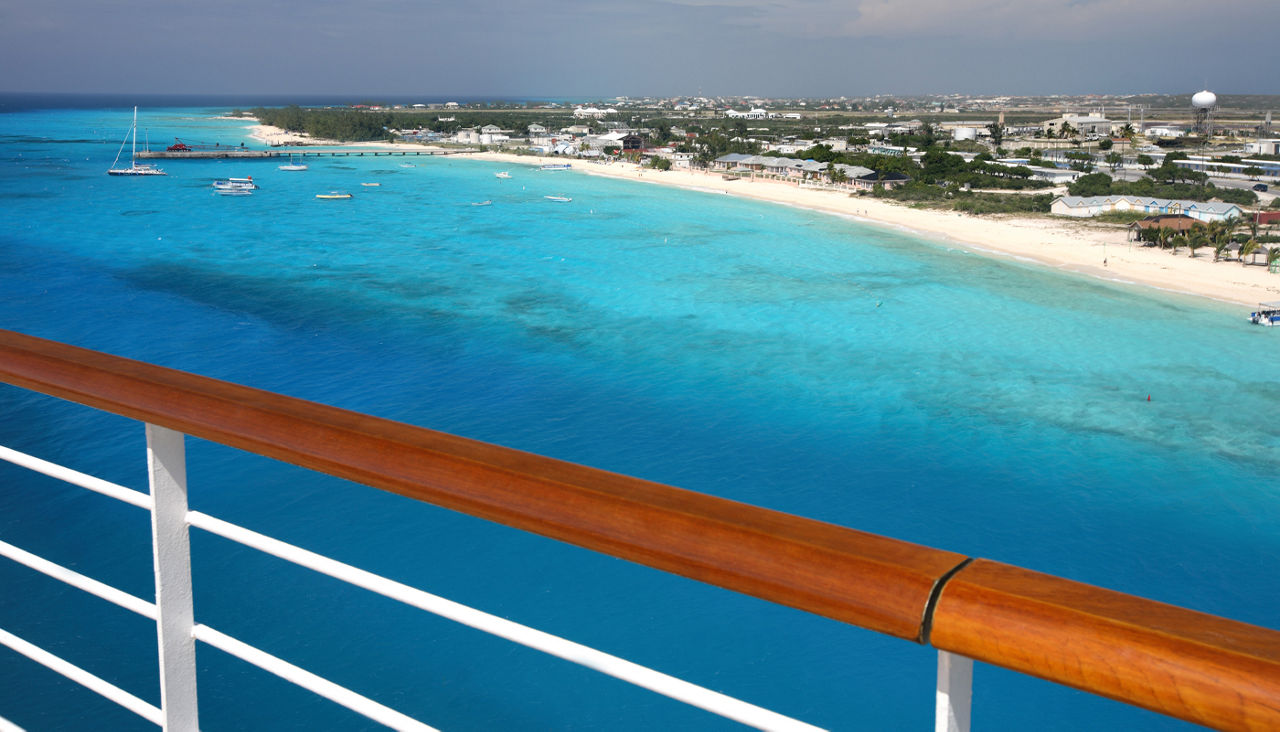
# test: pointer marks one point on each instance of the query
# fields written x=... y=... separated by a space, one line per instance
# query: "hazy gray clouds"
x=636 y=47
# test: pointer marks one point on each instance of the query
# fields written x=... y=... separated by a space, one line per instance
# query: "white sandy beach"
x=1082 y=247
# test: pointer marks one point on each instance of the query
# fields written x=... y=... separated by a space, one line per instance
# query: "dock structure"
x=240 y=153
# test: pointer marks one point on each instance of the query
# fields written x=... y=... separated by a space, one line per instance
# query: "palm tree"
x=1273 y=257
x=1195 y=240
x=1247 y=249
x=1220 y=234
x=1176 y=241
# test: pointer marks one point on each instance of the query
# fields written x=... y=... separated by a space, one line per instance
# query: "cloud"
x=997 y=19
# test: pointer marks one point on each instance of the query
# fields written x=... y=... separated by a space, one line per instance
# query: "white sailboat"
x=293 y=164
x=134 y=168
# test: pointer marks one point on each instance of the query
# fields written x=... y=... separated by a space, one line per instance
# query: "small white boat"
x=333 y=195
x=558 y=199
x=232 y=184
x=134 y=168
x=556 y=166
x=407 y=165
x=503 y=174
x=482 y=203
x=1268 y=314
x=370 y=185
x=293 y=165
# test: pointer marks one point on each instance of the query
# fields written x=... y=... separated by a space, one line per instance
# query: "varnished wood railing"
x=1178 y=662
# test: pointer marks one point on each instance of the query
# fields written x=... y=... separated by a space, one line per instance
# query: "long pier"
x=245 y=154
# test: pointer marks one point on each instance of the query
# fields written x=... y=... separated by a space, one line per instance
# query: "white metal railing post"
x=167 y=465
x=955 y=693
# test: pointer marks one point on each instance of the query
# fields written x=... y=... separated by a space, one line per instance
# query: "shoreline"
x=1077 y=247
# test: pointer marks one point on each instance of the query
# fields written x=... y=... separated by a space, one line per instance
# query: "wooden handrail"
x=1178 y=662
x=1198 y=667
x=860 y=578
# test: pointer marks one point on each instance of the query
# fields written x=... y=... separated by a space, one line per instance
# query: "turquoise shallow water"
x=774 y=356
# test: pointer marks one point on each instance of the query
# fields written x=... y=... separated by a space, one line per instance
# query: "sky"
x=598 y=49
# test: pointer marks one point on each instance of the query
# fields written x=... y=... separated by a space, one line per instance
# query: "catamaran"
x=134 y=168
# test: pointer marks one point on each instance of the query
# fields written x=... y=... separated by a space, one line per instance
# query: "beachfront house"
x=1176 y=222
x=1090 y=206
x=886 y=180
x=791 y=169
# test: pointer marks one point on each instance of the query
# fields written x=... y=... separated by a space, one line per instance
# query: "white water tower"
x=1203 y=105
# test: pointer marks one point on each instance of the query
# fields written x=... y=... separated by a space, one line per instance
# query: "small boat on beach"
x=134 y=168
x=503 y=174
x=555 y=166
x=235 y=184
x=333 y=196
x=1268 y=314
x=558 y=199
x=293 y=164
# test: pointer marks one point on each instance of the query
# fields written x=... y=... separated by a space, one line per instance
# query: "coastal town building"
x=1263 y=147
x=1090 y=206
x=1082 y=124
x=856 y=177
x=1205 y=164
x=1164 y=130
x=593 y=112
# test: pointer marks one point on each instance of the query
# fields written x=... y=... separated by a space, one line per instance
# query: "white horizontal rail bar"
x=75 y=579
x=309 y=681
x=82 y=677
x=84 y=480
x=692 y=694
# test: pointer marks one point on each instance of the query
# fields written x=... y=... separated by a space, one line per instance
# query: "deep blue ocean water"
x=788 y=359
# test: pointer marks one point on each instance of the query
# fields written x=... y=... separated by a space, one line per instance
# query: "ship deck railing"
x=1178 y=662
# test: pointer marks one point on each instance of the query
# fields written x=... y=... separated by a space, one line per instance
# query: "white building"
x=1088 y=207
x=1164 y=131
x=593 y=112
x=1083 y=125
x=1263 y=147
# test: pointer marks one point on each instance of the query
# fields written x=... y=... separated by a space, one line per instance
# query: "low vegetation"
x=952 y=198
x=1161 y=182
